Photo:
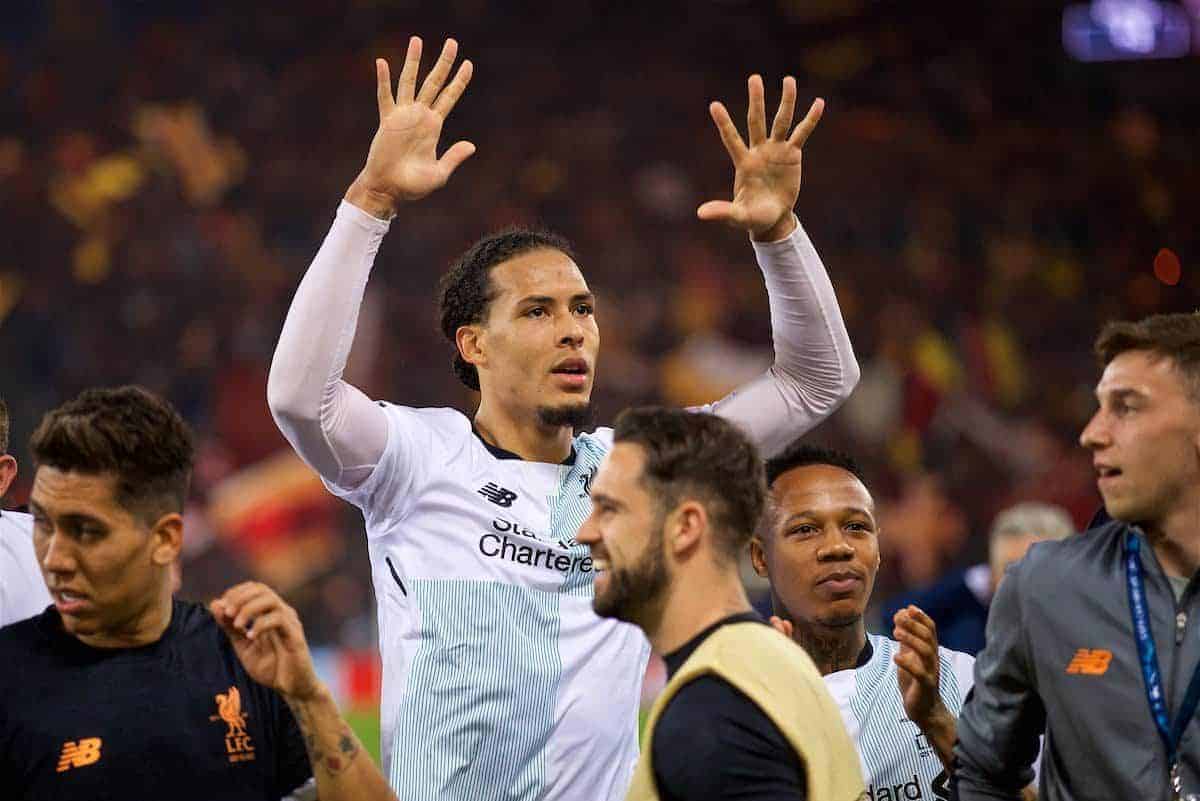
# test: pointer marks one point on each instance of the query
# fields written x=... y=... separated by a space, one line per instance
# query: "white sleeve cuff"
x=348 y=211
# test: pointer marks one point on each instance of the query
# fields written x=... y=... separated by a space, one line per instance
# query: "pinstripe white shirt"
x=500 y=682
x=897 y=761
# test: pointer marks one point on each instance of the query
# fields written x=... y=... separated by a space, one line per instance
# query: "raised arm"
x=815 y=368
x=332 y=425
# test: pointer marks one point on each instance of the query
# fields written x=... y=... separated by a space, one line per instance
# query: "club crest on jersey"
x=497 y=494
x=586 y=481
x=238 y=744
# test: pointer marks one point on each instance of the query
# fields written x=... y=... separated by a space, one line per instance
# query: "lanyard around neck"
x=1148 y=656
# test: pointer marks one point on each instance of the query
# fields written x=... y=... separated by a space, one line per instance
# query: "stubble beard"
x=632 y=591
x=574 y=415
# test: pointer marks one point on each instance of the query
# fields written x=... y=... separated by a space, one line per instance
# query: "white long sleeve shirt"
x=500 y=682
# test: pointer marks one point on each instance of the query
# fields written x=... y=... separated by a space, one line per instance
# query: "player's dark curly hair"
x=800 y=454
x=127 y=432
x=704 y=456
x=466 y=288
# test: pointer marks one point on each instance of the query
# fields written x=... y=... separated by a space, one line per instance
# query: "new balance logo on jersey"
x=77 y=754
x=1090 y=662
x=497 y=494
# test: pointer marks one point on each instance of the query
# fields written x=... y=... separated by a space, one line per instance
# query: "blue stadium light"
x=1126 y=30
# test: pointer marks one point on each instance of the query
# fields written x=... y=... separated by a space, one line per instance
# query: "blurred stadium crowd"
x=982 y=205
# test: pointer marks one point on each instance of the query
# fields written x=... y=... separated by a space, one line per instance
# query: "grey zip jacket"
x=1061 y=655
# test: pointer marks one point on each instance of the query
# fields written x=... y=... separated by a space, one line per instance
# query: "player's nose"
x=588 y=533
x=58 y=557
x=570 y=332
x=835 y=547
x=1095 y=434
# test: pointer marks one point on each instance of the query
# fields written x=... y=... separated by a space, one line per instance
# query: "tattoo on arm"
x=332 y=762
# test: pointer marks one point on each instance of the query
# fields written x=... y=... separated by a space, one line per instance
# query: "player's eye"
x=88 y=532
x=585 y=309
x=804 y=530
x=536 y=311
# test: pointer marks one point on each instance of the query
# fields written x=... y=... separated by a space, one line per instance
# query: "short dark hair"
x=1175 y=336
x=800 y=454
x=3 y=427
x=466 y=288
x=128 y=432
x=689 y=452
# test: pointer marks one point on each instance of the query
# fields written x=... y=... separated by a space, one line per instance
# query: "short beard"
x=631 y=591
x=828 y=621
x=838 y=621
x=576 y=415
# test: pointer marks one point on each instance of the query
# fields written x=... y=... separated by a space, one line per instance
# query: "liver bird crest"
x=229 y=709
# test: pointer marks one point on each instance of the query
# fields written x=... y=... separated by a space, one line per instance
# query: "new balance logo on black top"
x=497 y=494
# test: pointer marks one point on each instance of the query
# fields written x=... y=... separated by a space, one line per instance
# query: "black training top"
x=176 y=719
x=713 y=743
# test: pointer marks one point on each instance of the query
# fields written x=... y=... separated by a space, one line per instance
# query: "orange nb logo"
x=1090 y=662
x=238 y=744
x=77 y=754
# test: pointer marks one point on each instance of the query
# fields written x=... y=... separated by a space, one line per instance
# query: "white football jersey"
x=898 y=763
x=499 y=681
x=23 y=591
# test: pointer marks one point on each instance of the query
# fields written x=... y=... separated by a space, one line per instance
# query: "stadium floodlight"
x=1126 y=30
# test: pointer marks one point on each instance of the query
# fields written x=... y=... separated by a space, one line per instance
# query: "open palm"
x=402 y=163
x=767 y=173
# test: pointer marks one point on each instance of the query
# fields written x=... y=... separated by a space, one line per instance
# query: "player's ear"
x=471 y=344
x=686 y=526
x=758 y=557
x=166 y=539
x=8 y=471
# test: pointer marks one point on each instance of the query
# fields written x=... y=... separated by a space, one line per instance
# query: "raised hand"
x=766 y=179
x=402 y=163
x=268 y=639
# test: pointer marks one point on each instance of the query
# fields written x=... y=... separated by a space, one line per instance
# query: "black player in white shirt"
x=119 y=691
x=498 y=678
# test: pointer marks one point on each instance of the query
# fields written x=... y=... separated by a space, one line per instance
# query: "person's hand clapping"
x=918 y=667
